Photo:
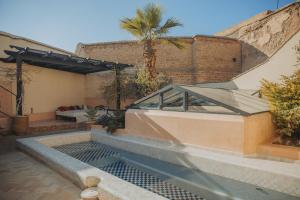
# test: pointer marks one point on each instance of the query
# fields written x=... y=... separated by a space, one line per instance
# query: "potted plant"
x=20 y=124
x=112 y=121
x=20 y=121
x=9 y=74
x=284 y=104
x=91 y=114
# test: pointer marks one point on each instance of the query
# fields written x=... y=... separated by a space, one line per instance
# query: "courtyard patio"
x=24 y=178
x=211 y=115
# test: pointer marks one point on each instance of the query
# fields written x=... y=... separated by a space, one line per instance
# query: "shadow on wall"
x=251 y=56
x=160 y=132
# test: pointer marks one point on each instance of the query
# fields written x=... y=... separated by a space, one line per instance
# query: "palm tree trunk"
x=150 y=57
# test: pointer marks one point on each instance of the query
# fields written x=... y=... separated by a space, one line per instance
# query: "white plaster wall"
x=283 y=62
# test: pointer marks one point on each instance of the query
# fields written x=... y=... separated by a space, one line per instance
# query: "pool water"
x=166 y=179
x=109 y=160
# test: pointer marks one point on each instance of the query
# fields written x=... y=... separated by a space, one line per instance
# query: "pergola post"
x=185 y=100
x=161 y=100
x=19 y=79
x=118 y=88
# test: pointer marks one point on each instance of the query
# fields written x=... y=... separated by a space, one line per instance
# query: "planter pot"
x=20 y=125
x=88 y=124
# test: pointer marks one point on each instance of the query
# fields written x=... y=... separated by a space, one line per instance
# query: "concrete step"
x=271 y=174
x=5 y=125
x=204 y=184
x=53 y=126
x=279 y=152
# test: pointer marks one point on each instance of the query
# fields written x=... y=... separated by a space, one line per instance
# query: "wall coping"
x=191 y=38
x=15 y=37
x=194 y=115
x=77 y=171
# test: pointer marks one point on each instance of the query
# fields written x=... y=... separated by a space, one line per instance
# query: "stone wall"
x=283 y=62
x=216 y=59
x=265 y=33
x=131 y=52
x=203 y=59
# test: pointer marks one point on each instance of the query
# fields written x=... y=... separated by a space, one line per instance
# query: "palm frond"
x=175 y=42
x=140 y=14
x=153 y=15
x=146 y=25
x=133 y=25
x=170 y=23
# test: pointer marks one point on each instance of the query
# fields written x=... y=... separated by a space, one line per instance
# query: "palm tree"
x=146 y=27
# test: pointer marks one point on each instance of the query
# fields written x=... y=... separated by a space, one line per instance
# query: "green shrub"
x=284 y=101
x=91 y=114
x=127 y=89
x=112 y=121
x=147 y=85
x=297 y=49
x=135 y=86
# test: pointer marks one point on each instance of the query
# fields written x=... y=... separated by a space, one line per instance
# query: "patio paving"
x=24 y=178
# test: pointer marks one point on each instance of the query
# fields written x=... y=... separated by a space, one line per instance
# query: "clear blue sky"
x=64 y=23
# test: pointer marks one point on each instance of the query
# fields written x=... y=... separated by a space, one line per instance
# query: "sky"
x=65 y=23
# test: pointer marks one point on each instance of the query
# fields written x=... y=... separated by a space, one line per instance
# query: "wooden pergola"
x=57 y=61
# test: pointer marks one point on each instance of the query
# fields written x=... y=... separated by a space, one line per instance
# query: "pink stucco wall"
x=232 y=133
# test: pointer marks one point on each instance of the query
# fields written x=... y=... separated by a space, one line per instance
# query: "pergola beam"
x=69 y=63
x=52 y=61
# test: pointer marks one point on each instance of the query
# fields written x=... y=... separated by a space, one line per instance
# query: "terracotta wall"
x=5 y=98
x=231 y=133
x=45 y=89
x=204 y=59
x=217 y=59
x=258 y=129
x=49 y=89
x=131 y=52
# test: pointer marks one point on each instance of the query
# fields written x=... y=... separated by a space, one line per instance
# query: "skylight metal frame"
x=186 y=93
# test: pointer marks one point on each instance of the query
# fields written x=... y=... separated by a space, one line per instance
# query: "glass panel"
x=196 y=104
x=151 y=103
x=173 y=100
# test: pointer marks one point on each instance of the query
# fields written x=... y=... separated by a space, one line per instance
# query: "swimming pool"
x=163 y=178
x=114 y=162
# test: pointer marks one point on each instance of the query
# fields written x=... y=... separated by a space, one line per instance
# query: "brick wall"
x=215 y=59
x=203 y=59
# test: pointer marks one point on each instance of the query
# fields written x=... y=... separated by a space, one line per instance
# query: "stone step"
x=55 y=128
x=36 y=127
x=271 y=174
x=275 y=151
x=5 y=125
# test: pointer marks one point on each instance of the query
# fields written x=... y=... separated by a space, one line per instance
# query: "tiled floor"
x=24 y=178
x=165 y=178
x=106 y=159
